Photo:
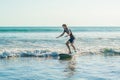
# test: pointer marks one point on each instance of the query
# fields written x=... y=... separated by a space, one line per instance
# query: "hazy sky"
x=56 y=12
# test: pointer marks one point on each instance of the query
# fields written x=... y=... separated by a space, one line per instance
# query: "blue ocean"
x=31 y=53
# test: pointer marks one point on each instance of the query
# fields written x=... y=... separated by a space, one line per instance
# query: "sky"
x=57 y=12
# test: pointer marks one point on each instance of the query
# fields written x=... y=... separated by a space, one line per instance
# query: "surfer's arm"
x=61 y=34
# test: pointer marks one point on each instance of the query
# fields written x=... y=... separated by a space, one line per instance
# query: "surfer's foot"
x=70 y=53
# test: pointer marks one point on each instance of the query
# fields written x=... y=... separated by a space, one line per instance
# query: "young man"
x=71 y=40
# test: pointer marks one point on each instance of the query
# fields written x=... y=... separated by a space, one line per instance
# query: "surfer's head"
x=64 y=26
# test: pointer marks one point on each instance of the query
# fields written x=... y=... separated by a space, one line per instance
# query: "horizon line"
x=59 y=25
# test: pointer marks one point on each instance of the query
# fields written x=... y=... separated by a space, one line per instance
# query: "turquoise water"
x=31 y=53
x=58 y=29
x=82 y=68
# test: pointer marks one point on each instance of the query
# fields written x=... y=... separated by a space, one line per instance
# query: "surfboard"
x=65 y=56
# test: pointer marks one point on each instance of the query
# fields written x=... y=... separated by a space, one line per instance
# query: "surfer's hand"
x=57 y=37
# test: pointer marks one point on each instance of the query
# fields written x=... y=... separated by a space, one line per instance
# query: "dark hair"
x=64 y=25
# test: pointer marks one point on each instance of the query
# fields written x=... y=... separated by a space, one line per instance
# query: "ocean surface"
x=31 y=53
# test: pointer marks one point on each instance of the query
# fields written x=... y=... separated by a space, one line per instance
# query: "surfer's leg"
x=67 y=44
x=73 y=46
x=71 y=40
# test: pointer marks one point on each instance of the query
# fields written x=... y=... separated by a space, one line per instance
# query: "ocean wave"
x=28 y=53
x=102 y=51
x=47 y=53
x=110 y=52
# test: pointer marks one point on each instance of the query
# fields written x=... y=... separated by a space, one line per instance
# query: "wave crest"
x=28 y=53
x=49 y=53
x=110 y=52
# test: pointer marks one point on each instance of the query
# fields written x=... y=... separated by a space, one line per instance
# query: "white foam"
x=27 y=53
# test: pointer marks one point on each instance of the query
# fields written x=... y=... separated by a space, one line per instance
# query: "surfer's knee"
x=67 y=43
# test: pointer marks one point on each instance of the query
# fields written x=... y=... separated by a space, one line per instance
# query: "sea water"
x=31 y=53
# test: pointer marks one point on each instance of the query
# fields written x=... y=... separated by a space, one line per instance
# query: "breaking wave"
x=28 y=53
x=48 y=53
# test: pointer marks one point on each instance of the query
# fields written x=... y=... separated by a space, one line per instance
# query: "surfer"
x=71 y=40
